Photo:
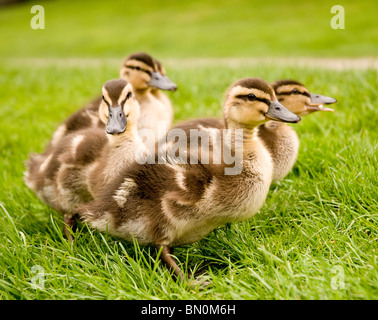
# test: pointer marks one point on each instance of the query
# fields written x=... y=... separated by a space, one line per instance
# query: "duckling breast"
x=282 y=142
x=239 y=197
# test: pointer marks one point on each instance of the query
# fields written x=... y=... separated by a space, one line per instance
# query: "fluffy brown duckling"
x=173 y=204
x=280 y=139
x=87 y=160
x=144 y=73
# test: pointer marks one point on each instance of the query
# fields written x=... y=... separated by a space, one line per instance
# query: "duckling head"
x=159 y=67
x=250 y=102
x=119 y=110
x=298 y=99
x=144 y=72
x=161 y=78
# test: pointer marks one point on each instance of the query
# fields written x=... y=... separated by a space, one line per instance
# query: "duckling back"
x=59 y=177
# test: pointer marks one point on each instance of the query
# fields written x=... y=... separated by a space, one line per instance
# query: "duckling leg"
x=169 y=261
x=69 y=223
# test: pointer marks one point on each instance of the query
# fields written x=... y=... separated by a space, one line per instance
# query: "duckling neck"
x=283 y=144
x=250 y=144
x=131 y=134
x=250 y=133
x=142 y=94
x=118 y=153
x=271 y=125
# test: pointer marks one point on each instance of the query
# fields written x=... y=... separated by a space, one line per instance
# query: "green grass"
x=324 y=214
x=196 y=28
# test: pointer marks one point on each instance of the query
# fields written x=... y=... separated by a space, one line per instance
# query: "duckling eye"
x=294 y=91
x=137 y=68
x=251 y=97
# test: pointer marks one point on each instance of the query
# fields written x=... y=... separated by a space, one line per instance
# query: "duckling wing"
x=85 y=118
x=201 y=123
x=59 y=175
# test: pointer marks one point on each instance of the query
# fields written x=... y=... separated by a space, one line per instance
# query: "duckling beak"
x=161 y=82
x=278 y=112
x=117 y=121
x=317 y=101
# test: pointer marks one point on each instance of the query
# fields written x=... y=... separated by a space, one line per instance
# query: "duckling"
x=144 y=73
x=87 y=160
x=280 y=139
x=173 y=204
x=156 y=110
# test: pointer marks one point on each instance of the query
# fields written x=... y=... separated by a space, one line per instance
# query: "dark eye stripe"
x=103 y=98
x=122 y=103
x=139 y=68
x=127 y=97
x=289 y=93
x=266 y=101
x=245 y=97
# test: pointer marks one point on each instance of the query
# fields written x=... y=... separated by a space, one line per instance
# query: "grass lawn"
x=316 y=235
x=320 y=221
x=197 y=28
